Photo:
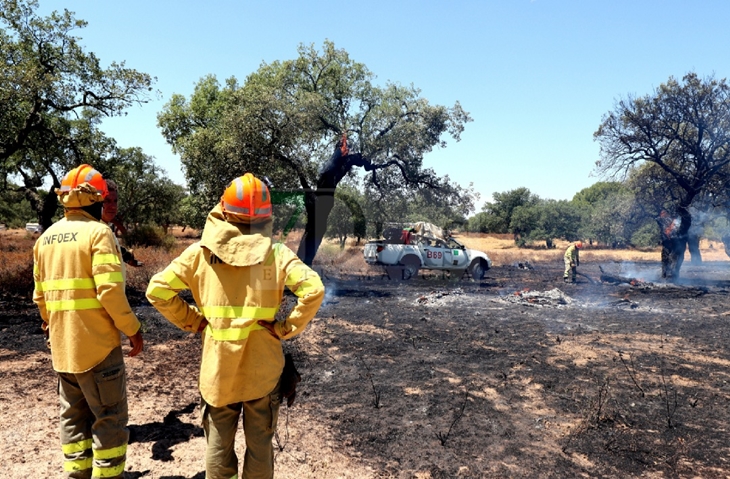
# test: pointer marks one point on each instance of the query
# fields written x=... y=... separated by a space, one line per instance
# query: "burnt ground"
x=518 y=375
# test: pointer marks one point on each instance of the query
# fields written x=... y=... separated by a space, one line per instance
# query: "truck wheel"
x=411 y=264
x=477 y=270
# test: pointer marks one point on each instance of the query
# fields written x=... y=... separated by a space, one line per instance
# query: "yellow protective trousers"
x=94 y=416
x=570 y=270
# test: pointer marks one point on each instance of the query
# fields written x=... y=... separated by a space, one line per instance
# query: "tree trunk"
x=693 y=243
x=50 y=206
x=379 y=229
x=674 y=243
x=318 y=204
x=672 y=258
x=44 y=208
x=318 y=207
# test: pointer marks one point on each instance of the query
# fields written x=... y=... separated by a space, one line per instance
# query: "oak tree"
x=683 y=131
x=289 y=116
x=53 y=94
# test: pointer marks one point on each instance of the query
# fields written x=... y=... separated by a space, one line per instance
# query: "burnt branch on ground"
x=443 y=437
x=631 y=372
x=376 y=393
x=670 y=405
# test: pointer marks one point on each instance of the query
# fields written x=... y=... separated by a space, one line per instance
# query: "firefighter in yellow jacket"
x=572 y=261
x=237 y=279
x=79 y=289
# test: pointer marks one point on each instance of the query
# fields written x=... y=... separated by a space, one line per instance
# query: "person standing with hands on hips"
x=237 y=277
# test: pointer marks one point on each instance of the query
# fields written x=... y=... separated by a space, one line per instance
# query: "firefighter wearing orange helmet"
x=237 y=277
x=572 y=261
x=79 y=289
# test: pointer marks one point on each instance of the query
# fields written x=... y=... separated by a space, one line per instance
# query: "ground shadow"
x=137 y=475
x=200 y=475
x=349 y=292
x=166 y=434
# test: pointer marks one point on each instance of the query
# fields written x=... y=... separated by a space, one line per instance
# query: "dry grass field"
x=16 y=256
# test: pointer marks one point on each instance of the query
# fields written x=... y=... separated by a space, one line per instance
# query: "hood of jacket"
x=237 y=244
x=82 y=195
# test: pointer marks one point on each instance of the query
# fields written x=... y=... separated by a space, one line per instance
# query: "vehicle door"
x=455 y=255
x=433 y=254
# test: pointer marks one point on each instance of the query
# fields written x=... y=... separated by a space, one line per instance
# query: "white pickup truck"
x=402 y=261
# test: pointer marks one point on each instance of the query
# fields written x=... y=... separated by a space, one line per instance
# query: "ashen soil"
x=518 y=375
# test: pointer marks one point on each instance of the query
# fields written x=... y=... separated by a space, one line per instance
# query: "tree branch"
x=294 y=165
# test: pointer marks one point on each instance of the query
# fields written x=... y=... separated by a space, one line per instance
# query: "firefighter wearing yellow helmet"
x=572 y=261
x=79 y=289
x=237 y=278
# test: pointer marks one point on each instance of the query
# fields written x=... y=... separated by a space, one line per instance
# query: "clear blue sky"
x=535 y=75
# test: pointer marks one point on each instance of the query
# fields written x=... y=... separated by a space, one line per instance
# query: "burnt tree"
x=683 y=132
x=318 y=202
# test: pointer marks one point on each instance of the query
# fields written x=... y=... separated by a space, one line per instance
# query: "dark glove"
x=128 y=257
x=290 y=377
x=46 y=334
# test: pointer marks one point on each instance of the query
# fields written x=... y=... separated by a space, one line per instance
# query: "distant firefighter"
x=572 y=261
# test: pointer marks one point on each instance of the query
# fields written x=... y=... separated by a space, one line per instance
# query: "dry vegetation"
x=16 y=256
x=16 y=262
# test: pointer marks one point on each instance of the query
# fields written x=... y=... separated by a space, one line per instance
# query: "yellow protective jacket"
x=571 y=255
x=79 y=289
x=237 y=277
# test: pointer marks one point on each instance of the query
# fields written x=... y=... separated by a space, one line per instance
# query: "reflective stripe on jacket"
x=79 y=289
x=241 y=360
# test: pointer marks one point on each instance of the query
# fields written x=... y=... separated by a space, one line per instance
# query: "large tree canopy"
x=146 y=194
x=500 y=212
x=683 y=130
x=288 y=117
x=52 y=95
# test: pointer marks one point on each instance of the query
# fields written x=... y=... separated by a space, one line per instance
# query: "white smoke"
x=644 y=272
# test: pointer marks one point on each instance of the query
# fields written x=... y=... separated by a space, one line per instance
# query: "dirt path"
x=517 y=376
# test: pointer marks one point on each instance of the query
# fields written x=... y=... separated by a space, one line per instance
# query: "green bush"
x=646 y=237
x=149 y=235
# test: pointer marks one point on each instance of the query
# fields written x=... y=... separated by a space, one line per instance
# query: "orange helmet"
x=84 y=174
x=579 y=244
x=246 y=200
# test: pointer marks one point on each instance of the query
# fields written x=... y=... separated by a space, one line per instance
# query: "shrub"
x=646 y=237
x=149 y=235
x=16 y=266
x=154 y=260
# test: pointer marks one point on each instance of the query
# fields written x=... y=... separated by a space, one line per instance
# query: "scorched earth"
x=519 y=375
